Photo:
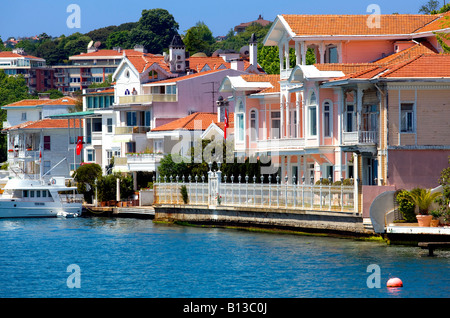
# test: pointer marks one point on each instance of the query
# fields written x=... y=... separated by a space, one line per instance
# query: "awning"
x=76 y=115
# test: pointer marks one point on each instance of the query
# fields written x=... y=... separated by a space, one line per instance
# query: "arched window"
x=127 y=92
x=312 y=115
x=240 y=127
x=253 y=125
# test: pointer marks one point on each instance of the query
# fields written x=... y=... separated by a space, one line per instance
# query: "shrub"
x=406 y=206
x=184 y=194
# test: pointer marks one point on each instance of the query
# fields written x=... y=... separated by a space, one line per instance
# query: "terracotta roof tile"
x=423 y=66
x=192 y=121
x=8 y=54
x=43 y=102
x=310 y=25
x=46 y=123
x=272 y=79
x=407 y=54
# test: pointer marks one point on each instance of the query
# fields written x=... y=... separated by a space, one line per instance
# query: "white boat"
x=23 y=198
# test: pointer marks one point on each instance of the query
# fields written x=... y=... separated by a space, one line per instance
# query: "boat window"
x=44 y=193
x=31 y=193
x=38 y=194
x=25 y=193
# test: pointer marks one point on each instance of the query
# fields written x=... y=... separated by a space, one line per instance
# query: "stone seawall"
x=346 y=223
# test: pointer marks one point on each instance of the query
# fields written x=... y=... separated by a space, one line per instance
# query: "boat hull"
x=16 y=209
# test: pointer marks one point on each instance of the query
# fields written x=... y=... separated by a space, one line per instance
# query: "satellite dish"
x=90 y=44
x=97 y=44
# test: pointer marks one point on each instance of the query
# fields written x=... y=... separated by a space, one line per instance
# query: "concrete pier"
x=346 y=223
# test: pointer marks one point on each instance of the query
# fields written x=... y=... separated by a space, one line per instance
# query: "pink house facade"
x=373 y=109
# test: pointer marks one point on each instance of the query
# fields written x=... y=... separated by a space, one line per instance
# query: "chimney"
x=237 y=64
x=140 y=48
x=253 y=50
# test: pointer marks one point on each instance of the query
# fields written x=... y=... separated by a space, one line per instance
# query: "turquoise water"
x=137 y=258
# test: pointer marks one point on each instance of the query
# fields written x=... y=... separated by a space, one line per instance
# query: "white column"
x=303 y=50
x=298 y=53
x=356 y=164
x=282 y=117
x=359 y=108
x=297 y=109
x=286 y=54
x=289 y=169
x=280 y=55
x=322 y=52
x=288 y=123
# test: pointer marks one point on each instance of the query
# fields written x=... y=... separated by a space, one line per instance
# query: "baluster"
x=254 y=190
x=239 y=180
x=278 y=188
x=246 y=189
x=294 y=191
x=232 y=189
x=203 y=189
x=262 y=188
x=270 y=190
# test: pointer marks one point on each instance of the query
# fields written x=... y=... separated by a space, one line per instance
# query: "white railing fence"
x=244 y=193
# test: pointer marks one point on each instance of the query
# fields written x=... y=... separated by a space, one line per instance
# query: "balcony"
x=283 y=144
x=131 y=130
x=147 y=99
x=360 y=138
x=143 y=161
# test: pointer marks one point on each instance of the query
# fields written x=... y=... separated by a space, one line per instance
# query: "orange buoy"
x=395 y=282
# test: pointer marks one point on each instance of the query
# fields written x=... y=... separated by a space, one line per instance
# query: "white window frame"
x=254 y=130
x=330 y=118
x=240 y=120
x=310 y=107
x=412 y=118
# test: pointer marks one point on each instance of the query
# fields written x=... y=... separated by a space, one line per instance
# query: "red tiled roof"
x=176 y=79
x=108 y=53
x=192 y=121
x=47 y=124
x=421 y=48
x=42 y=102
x=310 y=25
x=423 y=66
x=272 y=79
x=8 y=54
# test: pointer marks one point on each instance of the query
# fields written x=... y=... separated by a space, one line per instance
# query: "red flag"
x=79 y=145
x=226 y=124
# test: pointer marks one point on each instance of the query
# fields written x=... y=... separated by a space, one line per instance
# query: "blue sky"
x=32 y=17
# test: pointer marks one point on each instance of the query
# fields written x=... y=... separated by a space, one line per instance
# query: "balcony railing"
x=360 y=137
x=142 y=99
x=144 y=157
x=281 y=144
x=132 y=130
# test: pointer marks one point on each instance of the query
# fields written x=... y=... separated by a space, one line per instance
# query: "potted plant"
x=435 y=220
x=423 y=198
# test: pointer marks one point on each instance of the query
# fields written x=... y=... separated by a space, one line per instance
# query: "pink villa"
x=374 y=109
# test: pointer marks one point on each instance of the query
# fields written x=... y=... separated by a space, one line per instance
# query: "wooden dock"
x=431 y=246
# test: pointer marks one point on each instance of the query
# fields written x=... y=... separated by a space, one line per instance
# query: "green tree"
x=85 y=177
x=12 y=89
x=430 y=7
x=155 y=30
x=75 y=44
x=120 y=39
x=199 y=38
x=107 y=187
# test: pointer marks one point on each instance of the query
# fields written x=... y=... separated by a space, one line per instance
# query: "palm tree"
x=423 y=198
